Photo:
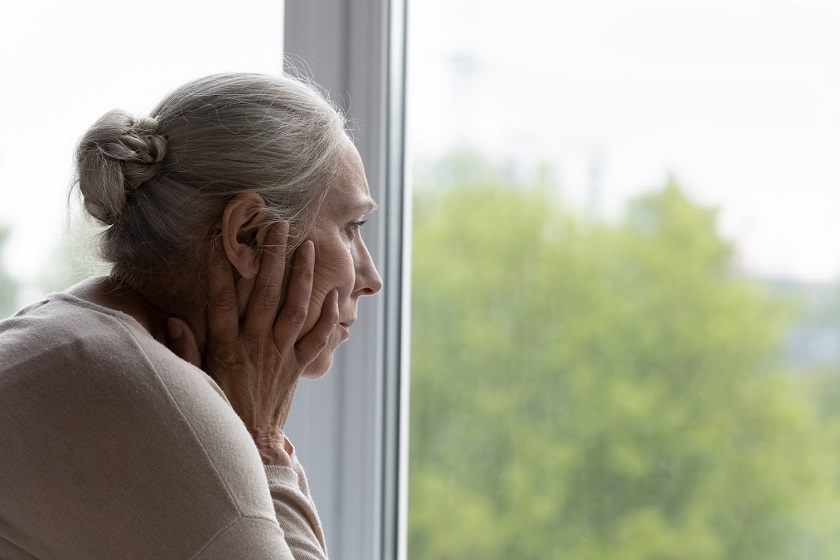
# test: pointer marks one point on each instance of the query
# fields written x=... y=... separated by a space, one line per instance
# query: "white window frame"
x=350 y=428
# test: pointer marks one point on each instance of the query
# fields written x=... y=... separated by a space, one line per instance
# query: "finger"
x=317 y=339
x=290 y=321
x=222 y=311
x=265 y=299
x=181 y=341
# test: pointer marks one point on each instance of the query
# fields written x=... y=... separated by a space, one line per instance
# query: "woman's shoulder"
x=65 y=353
x=97 y=415
x=66 y=356
x=62 y=326
x=76 y=339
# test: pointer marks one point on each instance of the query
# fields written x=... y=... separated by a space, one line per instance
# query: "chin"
x=322 y=364
x=320 y=367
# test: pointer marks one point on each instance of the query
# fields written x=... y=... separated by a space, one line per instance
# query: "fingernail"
x=176 y=331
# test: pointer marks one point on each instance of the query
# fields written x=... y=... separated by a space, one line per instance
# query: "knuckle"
x=305 y=273
x=309 y=270
x=224 y=299
x=297 y=313
x=271 y=295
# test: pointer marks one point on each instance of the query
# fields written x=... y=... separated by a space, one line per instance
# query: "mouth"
x=345 y=326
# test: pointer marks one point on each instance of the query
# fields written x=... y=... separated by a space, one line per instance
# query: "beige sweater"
x=113 y=447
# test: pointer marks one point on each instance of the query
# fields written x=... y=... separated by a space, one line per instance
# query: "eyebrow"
x=368 y=205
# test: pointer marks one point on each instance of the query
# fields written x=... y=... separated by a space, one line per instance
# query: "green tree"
x=594 y=391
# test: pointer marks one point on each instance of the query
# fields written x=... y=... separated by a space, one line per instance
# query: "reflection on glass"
x=625 y=309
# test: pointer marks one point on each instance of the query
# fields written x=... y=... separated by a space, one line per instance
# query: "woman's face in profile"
x=342 y=260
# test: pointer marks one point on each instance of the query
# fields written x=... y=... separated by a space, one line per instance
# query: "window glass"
x=625 y=336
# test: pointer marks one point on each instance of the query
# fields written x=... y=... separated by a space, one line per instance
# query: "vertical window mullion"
x=347 y=426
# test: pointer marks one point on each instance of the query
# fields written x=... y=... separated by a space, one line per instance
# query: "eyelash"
x=355 y=226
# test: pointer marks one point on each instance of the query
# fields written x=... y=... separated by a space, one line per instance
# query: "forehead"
x=349 y=192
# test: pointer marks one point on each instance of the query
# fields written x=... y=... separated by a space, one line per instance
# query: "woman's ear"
x=243 y=232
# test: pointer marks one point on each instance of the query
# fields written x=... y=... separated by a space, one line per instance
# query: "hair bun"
x=117 y=156
x=145 y=152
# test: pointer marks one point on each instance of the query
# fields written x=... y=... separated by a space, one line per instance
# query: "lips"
x=345 y=326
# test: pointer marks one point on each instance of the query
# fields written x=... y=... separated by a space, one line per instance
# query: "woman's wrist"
x=272 y=447
x=275 y=455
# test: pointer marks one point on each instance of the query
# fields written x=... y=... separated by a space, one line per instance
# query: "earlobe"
x=243 y=232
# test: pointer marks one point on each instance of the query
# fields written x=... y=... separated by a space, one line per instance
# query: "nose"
x=368 y=281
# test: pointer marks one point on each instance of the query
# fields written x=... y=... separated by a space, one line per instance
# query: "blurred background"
x=625 y=315
x=625 y=331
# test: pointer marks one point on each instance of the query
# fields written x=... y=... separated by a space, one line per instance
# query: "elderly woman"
x=234 y=214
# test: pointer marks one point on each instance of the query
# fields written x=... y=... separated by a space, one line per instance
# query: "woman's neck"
x=147 y=309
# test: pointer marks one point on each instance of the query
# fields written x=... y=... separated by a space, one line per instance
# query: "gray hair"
x=160 y=182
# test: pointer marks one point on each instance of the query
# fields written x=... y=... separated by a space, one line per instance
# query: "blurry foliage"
x=8 y=287
x=598 y=391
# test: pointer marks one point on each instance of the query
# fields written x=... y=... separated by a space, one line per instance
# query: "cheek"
x=333 y=269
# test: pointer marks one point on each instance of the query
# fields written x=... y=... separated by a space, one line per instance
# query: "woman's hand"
x=257 y=360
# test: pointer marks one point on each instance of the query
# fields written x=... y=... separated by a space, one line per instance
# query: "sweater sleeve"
x=296 y=511
x=248 y=537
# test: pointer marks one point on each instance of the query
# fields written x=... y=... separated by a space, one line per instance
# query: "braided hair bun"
x=115 y=158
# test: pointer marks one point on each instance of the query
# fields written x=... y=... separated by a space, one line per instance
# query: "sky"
x=739 y=99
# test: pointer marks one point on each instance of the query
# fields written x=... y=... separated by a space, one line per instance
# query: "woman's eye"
x=354 y=227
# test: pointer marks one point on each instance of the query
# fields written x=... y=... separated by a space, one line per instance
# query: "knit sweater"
x=113 y=447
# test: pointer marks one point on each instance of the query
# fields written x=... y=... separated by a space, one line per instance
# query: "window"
x=624 y=330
